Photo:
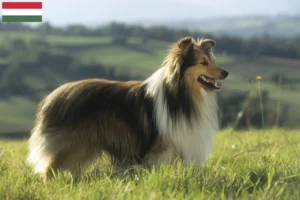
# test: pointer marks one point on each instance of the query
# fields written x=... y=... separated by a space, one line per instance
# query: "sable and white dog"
x=171 y=114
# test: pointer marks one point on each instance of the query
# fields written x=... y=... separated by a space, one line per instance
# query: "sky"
x=61 y=12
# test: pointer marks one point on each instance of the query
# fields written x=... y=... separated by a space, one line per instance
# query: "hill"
x=244 y=26
x=34 y=63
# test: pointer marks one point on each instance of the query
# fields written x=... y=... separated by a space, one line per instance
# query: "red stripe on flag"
x=21 y=5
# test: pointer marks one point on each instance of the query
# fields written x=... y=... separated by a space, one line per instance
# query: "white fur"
x=38 y=155
x=192 y=141
x=41 y=148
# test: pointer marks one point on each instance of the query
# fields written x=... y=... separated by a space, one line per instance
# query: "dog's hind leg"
x=74 y=160
x=52 y=151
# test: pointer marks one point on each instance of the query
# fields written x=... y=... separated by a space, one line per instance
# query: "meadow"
x=138 y=58
x=254 y=164
x=244 y=165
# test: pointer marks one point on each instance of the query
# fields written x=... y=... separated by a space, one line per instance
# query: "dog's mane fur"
x=179 y=114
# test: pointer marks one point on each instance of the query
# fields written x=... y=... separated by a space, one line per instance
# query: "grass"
x=135 y=61
x=77 y=40
x=138 y=58
x=8 y=35
x=244 y=165
x=17 y=114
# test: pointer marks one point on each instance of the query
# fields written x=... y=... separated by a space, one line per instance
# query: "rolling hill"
x=139 y=58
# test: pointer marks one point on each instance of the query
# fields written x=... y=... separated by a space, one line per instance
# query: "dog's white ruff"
x=193 y=140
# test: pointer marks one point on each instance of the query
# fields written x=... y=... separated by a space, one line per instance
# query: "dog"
x=171 y=114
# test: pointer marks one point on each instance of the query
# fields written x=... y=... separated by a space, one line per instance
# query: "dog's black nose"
x=225 y=73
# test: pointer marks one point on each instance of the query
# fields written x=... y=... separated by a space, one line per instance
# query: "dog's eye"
x=204 y=63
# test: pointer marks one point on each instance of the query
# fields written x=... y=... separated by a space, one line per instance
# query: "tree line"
x=265 y=45
x=37 y=59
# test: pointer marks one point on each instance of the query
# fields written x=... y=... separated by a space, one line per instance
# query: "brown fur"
x=79 y=120
x=83 y=115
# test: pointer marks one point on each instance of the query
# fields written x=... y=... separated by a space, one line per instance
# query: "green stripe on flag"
x=25 y=18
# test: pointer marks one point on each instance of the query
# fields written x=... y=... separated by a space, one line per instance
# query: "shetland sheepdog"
x=171 y=114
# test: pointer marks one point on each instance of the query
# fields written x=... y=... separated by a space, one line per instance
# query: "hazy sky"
x=61 y=12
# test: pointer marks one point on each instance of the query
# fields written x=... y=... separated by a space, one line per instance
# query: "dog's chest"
x=194 y=143
x=193 y=140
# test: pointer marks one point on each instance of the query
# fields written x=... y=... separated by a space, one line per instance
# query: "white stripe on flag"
x=9 y=12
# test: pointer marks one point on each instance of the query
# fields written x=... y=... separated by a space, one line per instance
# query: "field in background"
x=245 y=26
x=138 y=58
x=244 y=165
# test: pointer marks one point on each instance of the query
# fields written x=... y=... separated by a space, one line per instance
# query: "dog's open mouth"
x=209 y=82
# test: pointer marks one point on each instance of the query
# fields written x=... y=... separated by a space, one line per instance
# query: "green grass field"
x=244 y=165
x=19 y=114
x=137 y=58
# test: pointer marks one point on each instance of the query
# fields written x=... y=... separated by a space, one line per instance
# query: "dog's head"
x=191 y=62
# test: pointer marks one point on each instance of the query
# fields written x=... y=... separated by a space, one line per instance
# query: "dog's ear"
x=208 y=44
x=186 y=44
x=183 y=49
